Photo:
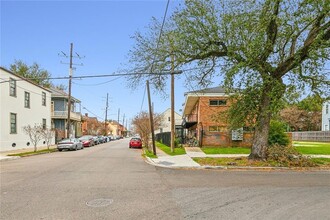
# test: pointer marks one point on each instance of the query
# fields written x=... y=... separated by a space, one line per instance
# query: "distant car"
x=101 y=139
x=69 y=144
x=135 y=142
x=111 y=138
x=87 y=140
x=96 y=140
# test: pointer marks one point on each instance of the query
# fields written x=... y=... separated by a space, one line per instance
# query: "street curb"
x=238 y=168
x=9 y=158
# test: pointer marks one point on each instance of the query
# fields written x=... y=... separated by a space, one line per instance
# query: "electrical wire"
x=144 y=94
x=97 y=84
x=160 y=34
x=91 y=112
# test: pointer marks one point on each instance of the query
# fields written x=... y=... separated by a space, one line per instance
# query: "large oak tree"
x=261 y=48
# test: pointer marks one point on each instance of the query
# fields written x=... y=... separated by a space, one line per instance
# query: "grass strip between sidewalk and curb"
x=147 y=153
x=31 y=153
x=245 y=162
x=167 y=149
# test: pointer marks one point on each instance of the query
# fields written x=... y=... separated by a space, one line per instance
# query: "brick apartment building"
x=202 y=121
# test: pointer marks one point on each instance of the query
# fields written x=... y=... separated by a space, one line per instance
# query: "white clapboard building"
x=22 y=103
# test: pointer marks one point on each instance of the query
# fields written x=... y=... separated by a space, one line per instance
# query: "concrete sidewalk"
x=186 y=160
x=4 y=154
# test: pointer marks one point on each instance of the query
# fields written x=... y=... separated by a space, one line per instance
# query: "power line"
x=97 y=84
x=91 y=112
x=103 y=75
x=160 y=34
x=144 y=94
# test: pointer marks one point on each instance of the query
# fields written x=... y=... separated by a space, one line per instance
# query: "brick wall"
x=223 y=139
x=215 y=116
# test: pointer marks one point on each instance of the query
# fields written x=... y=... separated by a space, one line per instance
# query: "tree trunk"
x=272 y=92
x=260 y=139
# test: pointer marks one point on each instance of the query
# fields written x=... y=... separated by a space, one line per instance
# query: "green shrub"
x=277 y=134
x=177 y=142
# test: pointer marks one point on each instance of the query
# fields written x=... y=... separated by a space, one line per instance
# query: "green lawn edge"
x=31 y=153
x=167 y=149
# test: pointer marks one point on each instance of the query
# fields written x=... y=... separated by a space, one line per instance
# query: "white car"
x=69 y=144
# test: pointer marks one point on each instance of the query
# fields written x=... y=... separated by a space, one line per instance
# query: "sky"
x=101 y=31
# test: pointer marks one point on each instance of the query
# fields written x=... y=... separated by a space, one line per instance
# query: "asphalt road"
x=111 y=181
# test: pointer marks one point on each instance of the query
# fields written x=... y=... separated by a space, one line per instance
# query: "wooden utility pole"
x=106 y=115
x=151 y=119
x=123 y=125
x=172 y=105
x=69 y=98
x=118 y=121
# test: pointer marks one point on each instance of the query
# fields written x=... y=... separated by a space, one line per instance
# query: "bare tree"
x=35 y=134
x=48 y=134
x=142 y=126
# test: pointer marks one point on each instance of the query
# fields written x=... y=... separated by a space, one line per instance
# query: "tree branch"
x=272 y=30
x=314 y=37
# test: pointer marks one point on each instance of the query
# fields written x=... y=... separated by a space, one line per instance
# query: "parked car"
x=101 y=139
x=87 y=140
x=111 y=137
x=135 y=142
x=96 y=140
x=69 y=144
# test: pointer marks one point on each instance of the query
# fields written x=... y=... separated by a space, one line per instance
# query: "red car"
x=87 y=141
x=135 y=142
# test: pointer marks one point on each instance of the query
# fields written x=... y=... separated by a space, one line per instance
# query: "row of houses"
x=26 y=103
x=23 y=103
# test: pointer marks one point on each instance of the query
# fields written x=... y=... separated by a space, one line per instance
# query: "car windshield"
x=67 y=140
x=84 y=138
x=135 y=139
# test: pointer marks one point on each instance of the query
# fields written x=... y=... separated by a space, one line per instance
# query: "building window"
x=13 y=123
x=44 y=125
x=218 y=102
x=27 y=100
x=12 y=87
x=43 y=99
x=326 y=109
x=217 y=129
x=169 y=118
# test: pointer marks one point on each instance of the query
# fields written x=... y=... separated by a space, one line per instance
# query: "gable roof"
x=193 y=96
x=213 y=90
x=57 y=93
x=169 y=110
x=24 y=79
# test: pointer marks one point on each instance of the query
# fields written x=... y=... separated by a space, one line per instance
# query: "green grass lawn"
x=30 y=153
x=317 y=148
x=167 y=149
x=226 y=150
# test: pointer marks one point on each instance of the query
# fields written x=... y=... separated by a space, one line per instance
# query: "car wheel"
x=75 y=149
x=130 y=146
x=59 y=149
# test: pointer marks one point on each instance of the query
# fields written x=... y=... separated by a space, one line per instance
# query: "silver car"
x=69 y=144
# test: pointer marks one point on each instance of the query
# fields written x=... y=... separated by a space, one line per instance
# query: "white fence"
x=322 y=136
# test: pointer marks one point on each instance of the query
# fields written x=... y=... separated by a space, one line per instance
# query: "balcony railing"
x=191 y=118
x=64 y=115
